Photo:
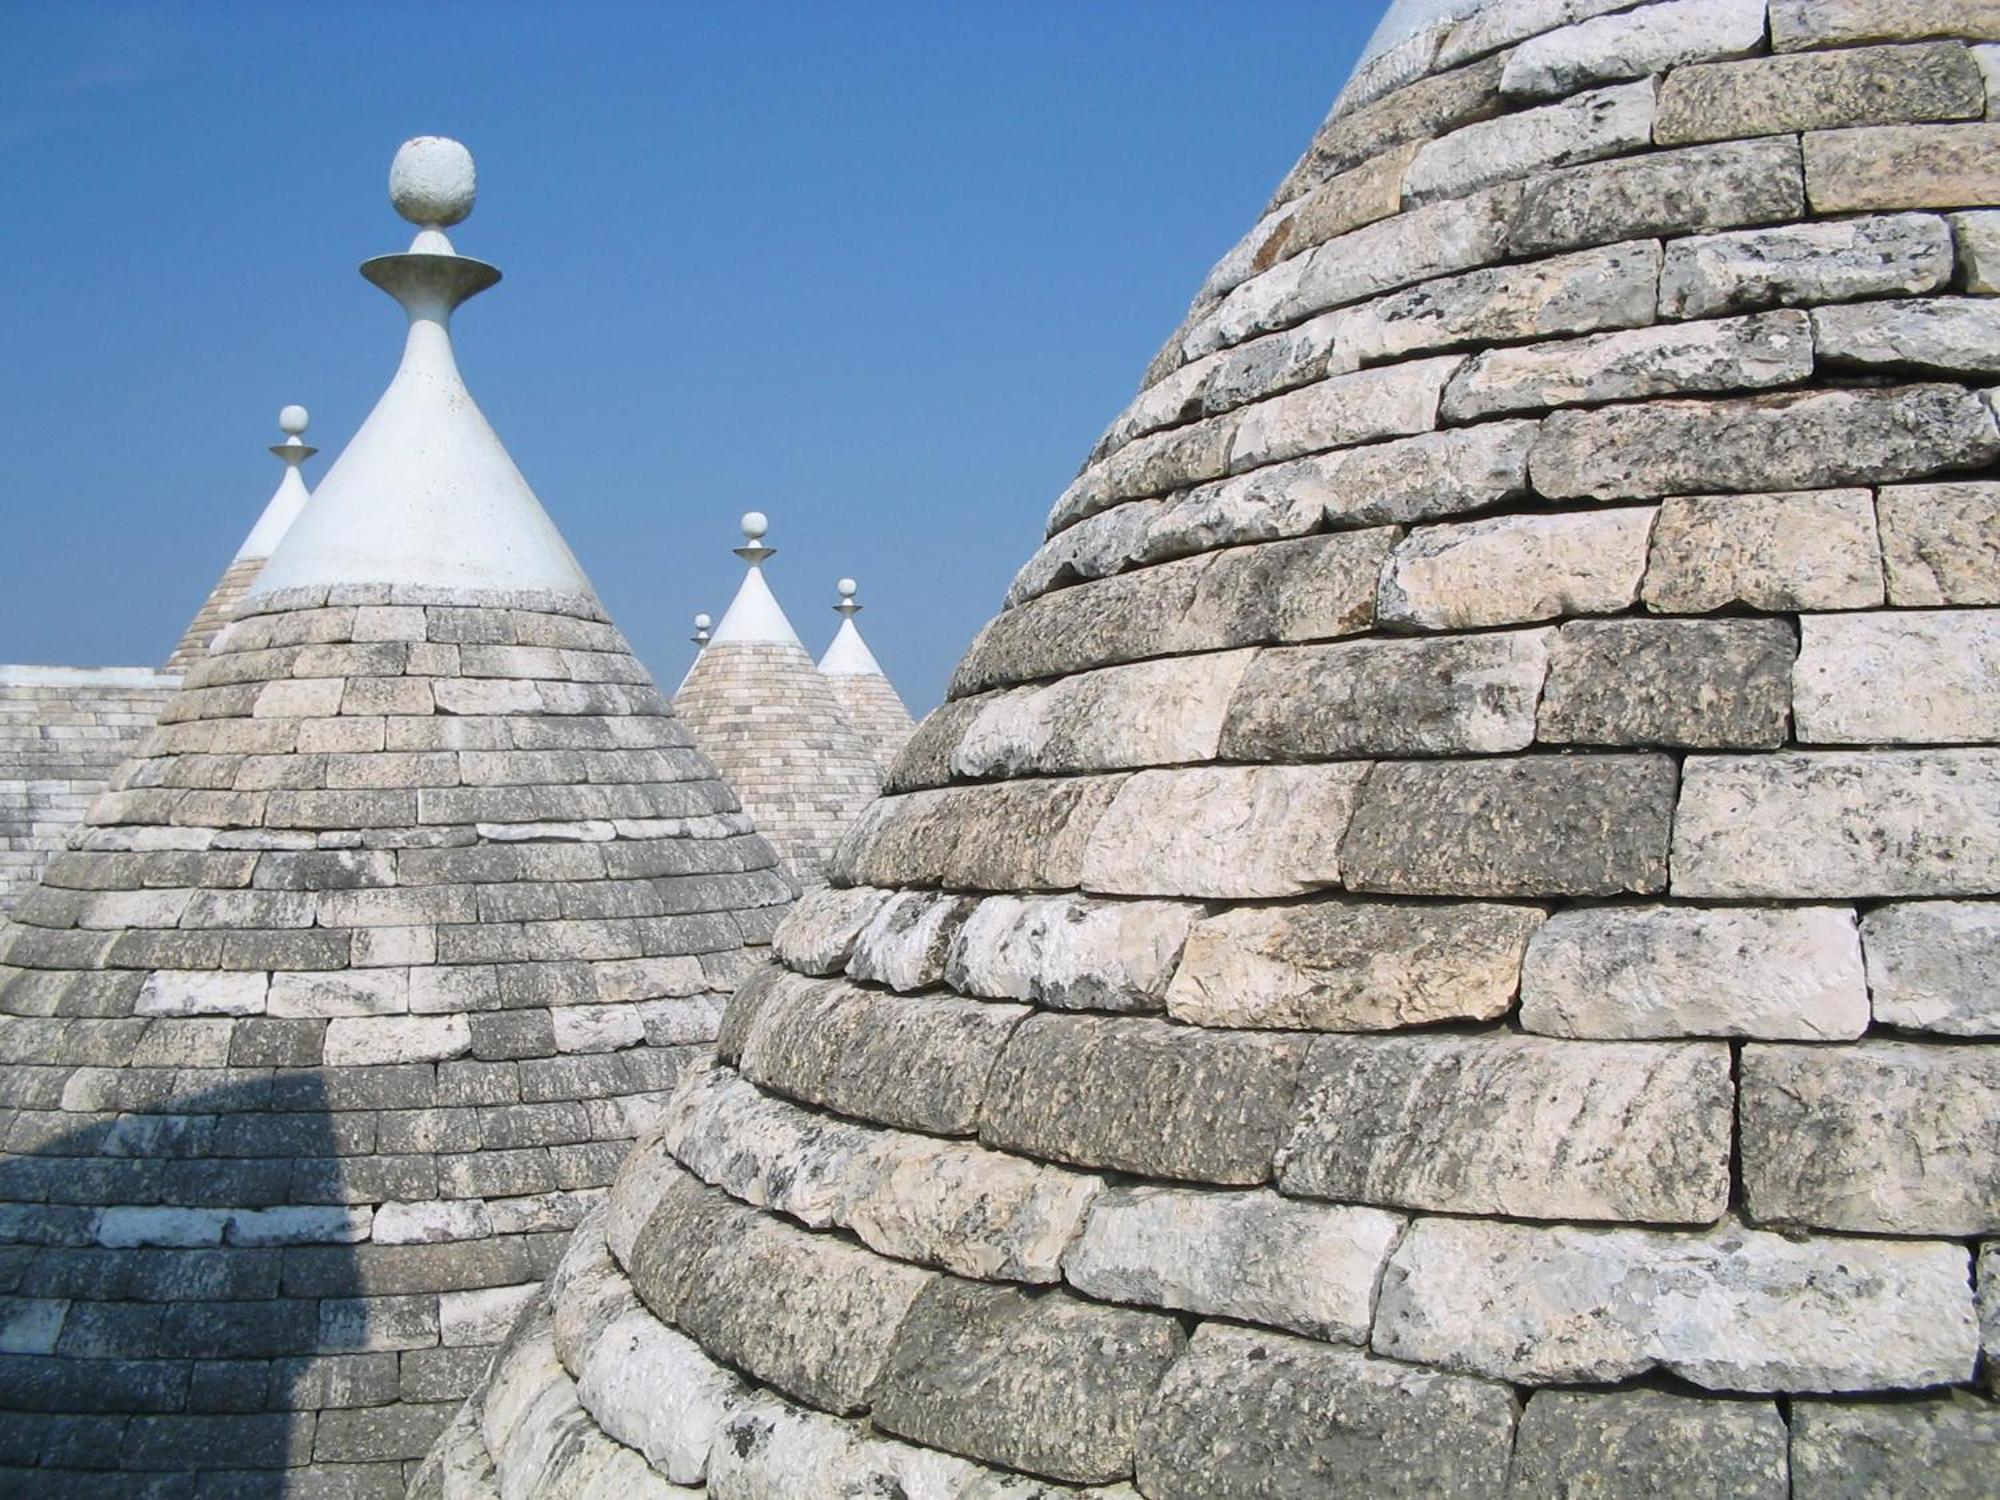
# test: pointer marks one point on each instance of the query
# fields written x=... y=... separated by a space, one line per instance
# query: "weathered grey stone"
x=1342 y=411
x=1734 y=1309
x=1978 y=235
x=655 y=1390
x=1540 y=825
x=1776 y=553
x=1702 y=684
x=1688 y=191
x=1792 y=264
x=1348 y=965
x=1820 y=91
x=1050 y=1384
x=818 y=933
x=1505 y=1124
x=1143 y=1096
x=904 y=945
x=1009 y=835
x=1583 y=127
x=1673 y=971
x=1805 y=440
x=1798 y=24
x=1253 y=1256
x=1357 y=129
x=1902 y=166
x=1648 y=1443
x=1753 y=353
x=1942 y=1450
x=1468 y=695
x=1839 y=824
x=1513 y=569
x=1941 y=543
x=1955 y=334
x=1500 y=23
x=1613 y=287
x=1935 y=966
x=1069 y=952
x=1883 y=1137
x=1989 y=1311
x=1250 y=1413
x=1631 y=44
x=1224 y=831
x=1908 y=677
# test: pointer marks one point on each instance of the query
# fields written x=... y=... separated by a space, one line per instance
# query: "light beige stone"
x=351 y=1041
x=1416 y=479
x=1941 y=542
x=1583 y=127
x=1733 y=1309
x=654 y=1390
x=1680 y=971
x=1827 y=23
x=1253 y=1256
x=1775 y=553
x=200 y=992
x=1515 y=569
x=1342 y=412
x=1346 y=965
x=1909 y=677
x=1935 y=966
x=1819 y=91
x=1631 y=44
x=1792 y=264
x=1978 y=235
x=1958 y=335
x=1070 y=952
x=817 y=935
x=1499 y=23
x=1903 y=166
x=904 y=946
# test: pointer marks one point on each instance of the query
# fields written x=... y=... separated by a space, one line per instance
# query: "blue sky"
x=882 y=270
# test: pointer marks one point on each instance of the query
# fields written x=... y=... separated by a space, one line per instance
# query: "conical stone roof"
x=1445 y=941
x=353 y=992
x=762 y=712
x=867 y=699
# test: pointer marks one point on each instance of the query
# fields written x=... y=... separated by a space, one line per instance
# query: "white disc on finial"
x=293 y=420
x=846 y=588
x=432 y=181
x=702 y=622
x=755 y=524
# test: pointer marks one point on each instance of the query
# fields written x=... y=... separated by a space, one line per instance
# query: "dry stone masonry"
x=1444 y=942
x=867 y=699
x=350 y=995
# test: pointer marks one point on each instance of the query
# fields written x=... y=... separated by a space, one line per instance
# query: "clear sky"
x=883 y=270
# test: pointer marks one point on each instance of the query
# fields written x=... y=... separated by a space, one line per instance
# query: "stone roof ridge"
x=755 y=615
x=426 y=492
x=848 y=655
x=290 y=497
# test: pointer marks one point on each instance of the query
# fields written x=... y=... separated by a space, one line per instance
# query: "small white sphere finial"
x=846 y=608
x=755 y=524
x=846 y=588
x=703 y=621
x=293 y=420
x=432 y=181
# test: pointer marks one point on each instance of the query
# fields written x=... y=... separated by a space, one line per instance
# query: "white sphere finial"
x=846 y=588
x=755 y=524
x=293 y=420
x=432 y=181
x=702 y=622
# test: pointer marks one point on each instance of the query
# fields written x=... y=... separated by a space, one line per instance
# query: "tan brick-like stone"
x=1820 y=91
x=1775 y=553
x=1633 y=43
x=1903 y=166
x=1907 y=677
x=1516 y=569
x=1829 y=23
x=1941 y=542
x=1584 y=127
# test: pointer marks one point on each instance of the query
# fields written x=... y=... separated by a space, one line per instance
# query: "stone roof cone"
x=283 y=508
x=860 y=686
x=351 y=994
x=771 y=723
x=1445 y=941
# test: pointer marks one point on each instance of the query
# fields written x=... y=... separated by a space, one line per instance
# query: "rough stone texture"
x=1932 y=1448
x=1704 y=685
x=1256 y=1413
x=876 y=711
x=1052 y=1385
x=1784 y=266
x=1827 y=23
x=1595 y=825
x=1689 y=191
x=1584 y=127
x=1941 y=543
x=1777 y=553
x=1820 y=91
x=1347 y=965
x=1648 y=1443
x=1935 y=966
x=1839 y=824
x=1515 y=569
x=1525 y=1126
x=1902 y=166
x=1979 y=245
x=1952 y=334
x=1677 y=971
x=1734 y=1309
x=1630 y=44
x=1988 y=1272
x=1908 y=677
x=1884 y=1137
x=1251 y=1256
x=1069 y=952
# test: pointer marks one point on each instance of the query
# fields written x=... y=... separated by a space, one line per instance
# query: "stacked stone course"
x=1443 y=943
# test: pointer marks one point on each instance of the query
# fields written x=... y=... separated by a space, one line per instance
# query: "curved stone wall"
x=1445 y=941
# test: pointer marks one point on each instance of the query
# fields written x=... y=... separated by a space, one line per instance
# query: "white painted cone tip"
x=289 y=499
x=849 y=655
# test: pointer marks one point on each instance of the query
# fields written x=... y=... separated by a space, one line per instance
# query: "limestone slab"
x=1515 y=569
x=1909 y=677
x=1583 y=127
x=655 y=1390
x=1774 y=553
x=1253 y=1256
x=1732 y=1309
x=1788 y=265
x=1935 y=966
x=1699 y=684
x=1839 y=824
x=1882 y=1137
x=1342 y=411
x=903 y=947
x=1978 y=235
x=1941 y=542
x=1797 y=24
x=1956 y=335
x=1631 y=44
x=1692 y=190
x=1820 y=91
x=819 y=932
x=1902 y=166
x=1506 y=1124
x=1649 y=1443
x=1351 y=965
x=1677 y=971
x=1878 y=1452
x=1070 y=952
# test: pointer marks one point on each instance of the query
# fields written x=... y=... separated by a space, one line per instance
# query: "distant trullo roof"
x=866 y=697
x=359 y=983
x=1445 y=941
x=757 y=707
